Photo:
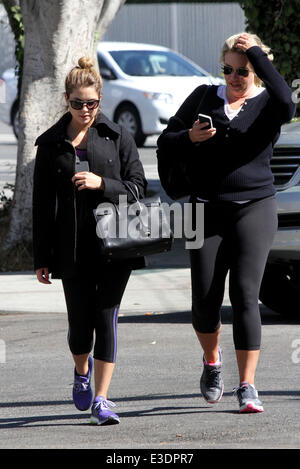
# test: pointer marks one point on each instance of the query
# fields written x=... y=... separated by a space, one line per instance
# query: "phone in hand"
x=203 y=118
x=82 y=166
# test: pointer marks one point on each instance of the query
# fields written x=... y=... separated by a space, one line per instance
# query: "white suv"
x=143 y=86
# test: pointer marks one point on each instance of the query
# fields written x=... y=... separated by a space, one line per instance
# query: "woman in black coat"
x=81 y=161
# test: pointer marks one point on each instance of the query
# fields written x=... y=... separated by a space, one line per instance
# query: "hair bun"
x=86 y=63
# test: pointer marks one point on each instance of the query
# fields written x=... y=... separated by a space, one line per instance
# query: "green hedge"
x=277 y=23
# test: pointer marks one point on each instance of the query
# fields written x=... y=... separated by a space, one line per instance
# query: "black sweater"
x=235 y=163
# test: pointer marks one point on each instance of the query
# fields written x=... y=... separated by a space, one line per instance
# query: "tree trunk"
x=8 y=5
x=57 y=34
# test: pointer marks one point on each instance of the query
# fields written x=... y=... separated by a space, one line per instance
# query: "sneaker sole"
x=108 y=421
x=216 y=401
x=251 y=408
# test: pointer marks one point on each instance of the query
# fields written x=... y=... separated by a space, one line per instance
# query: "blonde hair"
x=83 y=75
x=229 y=46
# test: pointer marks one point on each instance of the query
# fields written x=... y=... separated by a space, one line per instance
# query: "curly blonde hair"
x=83 y=75
x=229 y=46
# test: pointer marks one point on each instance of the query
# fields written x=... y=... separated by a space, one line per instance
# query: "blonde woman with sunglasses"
x=226 y=166
x=82 y=160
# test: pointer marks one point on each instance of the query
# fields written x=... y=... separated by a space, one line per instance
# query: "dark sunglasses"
x=91 y=104
x=243 y=72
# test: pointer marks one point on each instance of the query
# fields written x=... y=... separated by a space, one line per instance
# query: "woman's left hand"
x=87 y=180
x=244 y=42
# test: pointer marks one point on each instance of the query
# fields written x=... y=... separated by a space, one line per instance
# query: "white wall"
x=7 y=43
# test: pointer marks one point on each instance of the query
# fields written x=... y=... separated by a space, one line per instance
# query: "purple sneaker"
x=101 y=413
x=82 y=391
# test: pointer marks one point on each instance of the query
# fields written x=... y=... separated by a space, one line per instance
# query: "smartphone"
x=203 y=118
x=82 y=166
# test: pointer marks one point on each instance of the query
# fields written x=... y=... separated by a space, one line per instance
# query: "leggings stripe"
x=93 y=308
x=115 y=324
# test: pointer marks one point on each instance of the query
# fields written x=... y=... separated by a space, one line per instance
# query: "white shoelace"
x=105 y=403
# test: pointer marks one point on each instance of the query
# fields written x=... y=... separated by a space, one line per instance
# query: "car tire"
x=280 y=290
x=128 y=116
x=14 y=117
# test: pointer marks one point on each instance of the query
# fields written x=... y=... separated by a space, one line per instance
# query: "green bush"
x=277 y=23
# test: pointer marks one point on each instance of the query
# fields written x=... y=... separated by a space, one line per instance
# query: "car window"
x=153 y=63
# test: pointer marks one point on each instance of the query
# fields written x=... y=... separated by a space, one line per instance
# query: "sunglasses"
x=243 y=72
x=91 y=104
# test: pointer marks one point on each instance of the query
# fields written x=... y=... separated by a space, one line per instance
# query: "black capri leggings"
x=93 y=307
x=237 y=238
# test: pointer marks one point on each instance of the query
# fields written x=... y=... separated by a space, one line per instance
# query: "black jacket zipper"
x=74 y=205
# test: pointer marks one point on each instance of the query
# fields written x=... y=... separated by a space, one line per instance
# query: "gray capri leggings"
x=238 y=238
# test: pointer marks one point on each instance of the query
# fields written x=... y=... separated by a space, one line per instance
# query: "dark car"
x=280 y=289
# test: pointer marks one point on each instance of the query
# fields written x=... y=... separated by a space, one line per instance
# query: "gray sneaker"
x=211 y=383
x=247 y=396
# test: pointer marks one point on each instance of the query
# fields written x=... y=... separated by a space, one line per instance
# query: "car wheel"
x=14 y=116
x=280 y=290
x=128 y=116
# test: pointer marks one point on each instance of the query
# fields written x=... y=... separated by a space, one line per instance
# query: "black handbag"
x=173 y=175
x=130 y=230
x=173 y=167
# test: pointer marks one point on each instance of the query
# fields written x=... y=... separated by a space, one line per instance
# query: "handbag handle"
x=129 y=187
x=146 y=229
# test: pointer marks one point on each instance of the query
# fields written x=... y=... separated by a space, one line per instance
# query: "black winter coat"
x=64 y=229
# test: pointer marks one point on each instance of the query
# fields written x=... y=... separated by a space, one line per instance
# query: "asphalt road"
x=155 y=386
x=156 y=381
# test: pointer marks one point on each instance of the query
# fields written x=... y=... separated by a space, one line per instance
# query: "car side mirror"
x=107 y=74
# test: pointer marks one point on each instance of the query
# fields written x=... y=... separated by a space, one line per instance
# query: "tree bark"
x=57 y=34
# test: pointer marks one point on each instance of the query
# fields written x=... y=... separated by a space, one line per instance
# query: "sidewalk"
x=150 y=291
x=164 y=286
x=154 y=290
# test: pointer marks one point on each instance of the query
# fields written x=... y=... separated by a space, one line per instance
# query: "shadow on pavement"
x=268 y=317
x=45 y=420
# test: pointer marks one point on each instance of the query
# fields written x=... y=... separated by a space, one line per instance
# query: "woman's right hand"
x=43 y=275
x=198 y=134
